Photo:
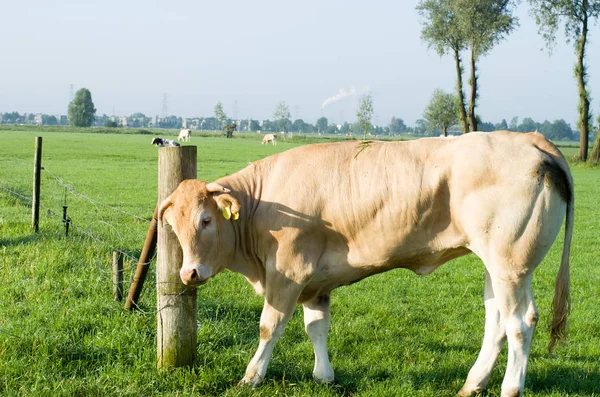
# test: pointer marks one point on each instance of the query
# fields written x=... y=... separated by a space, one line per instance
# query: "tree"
x=420 y=127
x=220 y=115
x=441 y=111
x=503 y=125
x=482 y=25
x=364 y=114
x=441 y=32
x=528 y=125
x=577 y=17
x=595 y=155
x=110 y=124
x=82 y=112
x=254 y=126
x=322 y=124
x=282 y=115
x=558 y=130
x=484 y=125
x=397 y=126
x=300 y=125
x=514 y=123
x=49 y=120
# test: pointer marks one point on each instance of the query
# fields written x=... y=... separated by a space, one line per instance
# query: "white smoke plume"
x=342 y=93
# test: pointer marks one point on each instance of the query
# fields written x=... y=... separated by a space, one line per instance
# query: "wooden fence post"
x=176 y=304
x=143 y=265
x=117 y=275
x=37 y=167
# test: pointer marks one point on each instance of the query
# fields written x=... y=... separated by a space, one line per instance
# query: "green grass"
x=395 y=334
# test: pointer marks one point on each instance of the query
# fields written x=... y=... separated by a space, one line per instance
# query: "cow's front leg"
x=277 y=311
x=316 y=323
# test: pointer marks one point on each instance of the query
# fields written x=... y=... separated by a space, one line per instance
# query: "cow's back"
x=368 y=207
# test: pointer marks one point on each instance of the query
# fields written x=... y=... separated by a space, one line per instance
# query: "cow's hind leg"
x=316 y=323
x=280 y=302
x=519 y=313
x=493 y=341
x=518 y=317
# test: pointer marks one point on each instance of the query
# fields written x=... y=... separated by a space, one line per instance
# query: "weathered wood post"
x=141 y=271
x=37 y=167
x=176 y=303
x=117 y=271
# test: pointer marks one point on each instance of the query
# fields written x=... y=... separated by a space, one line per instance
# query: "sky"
x=250 y=55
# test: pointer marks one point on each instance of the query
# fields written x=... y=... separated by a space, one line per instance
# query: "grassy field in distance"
x=394 y=334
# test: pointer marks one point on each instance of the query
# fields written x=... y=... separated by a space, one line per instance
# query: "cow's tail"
x=561 y=304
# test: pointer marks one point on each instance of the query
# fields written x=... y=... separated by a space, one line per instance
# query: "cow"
x=229 y=129
x=164 y=142
x=297 y=234
x=185 y=135
x=269 y=138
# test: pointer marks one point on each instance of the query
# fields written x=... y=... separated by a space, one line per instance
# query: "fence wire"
x=104 y=224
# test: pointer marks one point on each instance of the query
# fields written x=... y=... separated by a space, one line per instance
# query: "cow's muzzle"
x=194 y=276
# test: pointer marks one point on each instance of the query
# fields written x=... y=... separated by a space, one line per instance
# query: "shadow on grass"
x=30 y=238
x=566 y=379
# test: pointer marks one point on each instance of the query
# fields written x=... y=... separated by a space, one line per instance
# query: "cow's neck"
x=246 y=187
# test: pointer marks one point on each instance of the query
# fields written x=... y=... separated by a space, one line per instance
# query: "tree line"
x=440 y=118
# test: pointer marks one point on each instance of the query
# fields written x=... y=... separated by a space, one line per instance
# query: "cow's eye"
x=206 y=221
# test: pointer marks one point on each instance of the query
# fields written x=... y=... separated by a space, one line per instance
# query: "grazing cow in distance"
x=185 y=135
x=229 y=129
x=373 y=207
x=272 y=138
x=163 y=142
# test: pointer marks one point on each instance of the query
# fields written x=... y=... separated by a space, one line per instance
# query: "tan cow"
x=269 y=138
x=185 y=135
x=297 y=234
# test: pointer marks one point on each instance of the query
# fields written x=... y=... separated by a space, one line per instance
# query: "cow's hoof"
x=469 y=390
x=324 y=377
x=250 y=381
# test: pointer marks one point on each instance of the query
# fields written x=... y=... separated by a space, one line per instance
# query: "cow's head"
x=200 y=214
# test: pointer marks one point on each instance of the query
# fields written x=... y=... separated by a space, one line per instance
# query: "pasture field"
x=394 y=334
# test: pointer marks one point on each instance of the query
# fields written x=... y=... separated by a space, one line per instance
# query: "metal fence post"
x=37 y=167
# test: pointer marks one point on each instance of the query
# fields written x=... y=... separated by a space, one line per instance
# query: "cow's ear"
x=163 y=210
x=228 y=205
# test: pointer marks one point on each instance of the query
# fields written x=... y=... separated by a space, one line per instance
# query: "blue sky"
x=257 y=53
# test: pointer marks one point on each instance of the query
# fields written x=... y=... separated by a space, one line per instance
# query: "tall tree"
x=482 y=25
x=364 y=114
x=577 y=16
x=441 y=32
x=220 y=114
x=441 y=111
x=82 y=112
x=282 y=115
x=595 y=155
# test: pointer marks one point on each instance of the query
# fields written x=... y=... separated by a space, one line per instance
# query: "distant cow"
x=229 y=129
x=303 y=222
x=185 y=135
x=162 y=142
x=272 y=138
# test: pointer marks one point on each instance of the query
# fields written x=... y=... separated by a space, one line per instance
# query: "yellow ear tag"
x=236 y=216
x=226 y=213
